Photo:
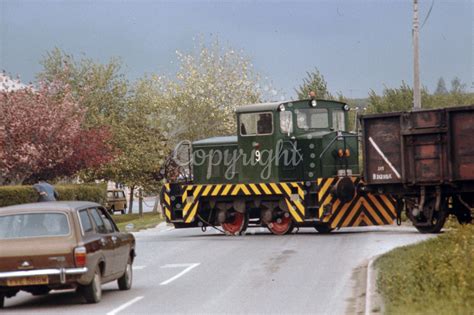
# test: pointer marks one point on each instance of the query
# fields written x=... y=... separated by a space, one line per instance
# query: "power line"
x=427 y=15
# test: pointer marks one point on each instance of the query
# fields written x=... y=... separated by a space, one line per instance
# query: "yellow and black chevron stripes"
x=191 y=194
x=363 y=210
x=166 y=202
x=366 y=209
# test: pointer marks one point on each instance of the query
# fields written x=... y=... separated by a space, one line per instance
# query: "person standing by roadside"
x=46 y=191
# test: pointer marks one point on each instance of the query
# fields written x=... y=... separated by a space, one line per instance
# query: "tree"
x=100 y=88
x=457 y=87
x=393 y=99
x=102 y=91
x=201 y=100
x=39 y=135
x=314 y=81
x=92 y=149
x=142 y=142
x=401 y=99
x=441 y=87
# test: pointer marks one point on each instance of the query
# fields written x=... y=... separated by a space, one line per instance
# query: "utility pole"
x=416 y=63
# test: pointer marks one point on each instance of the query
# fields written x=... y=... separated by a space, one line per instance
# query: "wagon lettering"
x=381 y=176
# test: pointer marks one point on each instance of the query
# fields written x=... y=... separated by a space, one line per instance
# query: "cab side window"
x=252 y=124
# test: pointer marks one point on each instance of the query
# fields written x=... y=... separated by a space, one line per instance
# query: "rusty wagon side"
x=426 y=159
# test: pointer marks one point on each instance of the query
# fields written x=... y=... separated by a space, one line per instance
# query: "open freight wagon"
x=426 y=159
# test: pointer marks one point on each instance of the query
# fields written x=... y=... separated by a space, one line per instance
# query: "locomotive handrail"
x=331 y=143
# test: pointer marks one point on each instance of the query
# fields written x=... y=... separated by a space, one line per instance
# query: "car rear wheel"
x=2 y=300
x=125 y=281
x=92 y=292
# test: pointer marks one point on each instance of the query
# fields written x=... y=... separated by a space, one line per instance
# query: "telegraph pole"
x=416 y=63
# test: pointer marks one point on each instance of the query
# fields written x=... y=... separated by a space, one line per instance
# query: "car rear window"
x=33 y=225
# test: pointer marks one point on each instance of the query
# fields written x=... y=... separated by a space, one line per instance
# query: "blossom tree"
x=41 y=134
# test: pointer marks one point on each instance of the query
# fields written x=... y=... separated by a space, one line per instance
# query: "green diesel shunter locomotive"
x=291 y=164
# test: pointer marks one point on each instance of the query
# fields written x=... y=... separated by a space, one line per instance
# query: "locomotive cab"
x=296 y=141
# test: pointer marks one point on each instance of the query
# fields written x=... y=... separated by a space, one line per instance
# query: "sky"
x=357 y=45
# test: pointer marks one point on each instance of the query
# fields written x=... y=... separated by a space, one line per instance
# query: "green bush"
x=432 y=277
x=12 y=195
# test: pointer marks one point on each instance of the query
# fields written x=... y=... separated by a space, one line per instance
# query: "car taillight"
x=80 y=256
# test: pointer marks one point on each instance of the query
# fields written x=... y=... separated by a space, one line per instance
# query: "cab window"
x=286 y=122
x=256 y=124
x=312 y=118
x=338 y=120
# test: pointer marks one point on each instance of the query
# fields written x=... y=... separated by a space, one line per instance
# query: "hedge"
x=12 y=195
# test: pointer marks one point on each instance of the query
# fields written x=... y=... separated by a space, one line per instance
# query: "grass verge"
x=148 y=220
x=433 y=277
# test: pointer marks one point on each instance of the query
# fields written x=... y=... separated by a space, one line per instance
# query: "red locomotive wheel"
x=237 y=225
x=281 y=226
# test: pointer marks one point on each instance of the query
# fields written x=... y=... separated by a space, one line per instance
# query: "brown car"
x=116 y=201
x=62 y=245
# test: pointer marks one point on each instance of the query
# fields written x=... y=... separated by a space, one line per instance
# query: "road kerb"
x=161 y=227
x=370 y=286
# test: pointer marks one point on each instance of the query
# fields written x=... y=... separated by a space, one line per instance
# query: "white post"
x=416 y=65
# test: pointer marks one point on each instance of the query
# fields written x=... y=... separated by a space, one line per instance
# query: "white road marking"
x=124 y=306
x=138 y=267
x=188 y=268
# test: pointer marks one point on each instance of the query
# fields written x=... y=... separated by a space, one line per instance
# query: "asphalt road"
x=187 y=271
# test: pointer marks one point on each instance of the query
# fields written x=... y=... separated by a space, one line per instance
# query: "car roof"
x=49 y=205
